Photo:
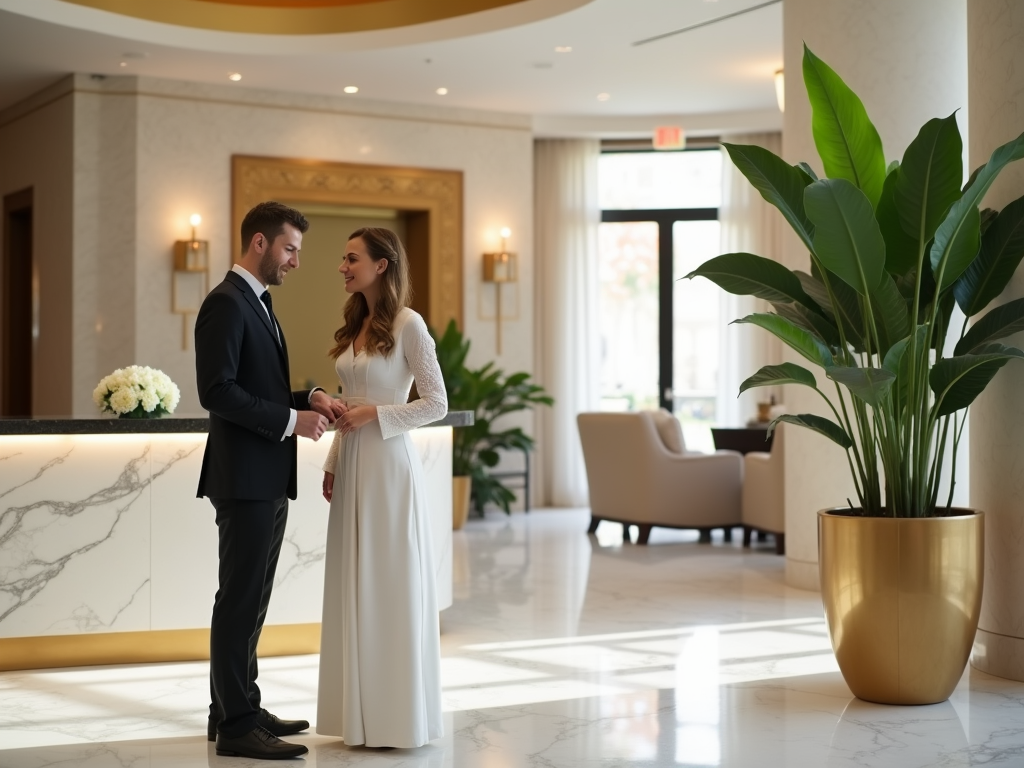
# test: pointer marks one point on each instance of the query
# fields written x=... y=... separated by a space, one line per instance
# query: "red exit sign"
x=669 y=137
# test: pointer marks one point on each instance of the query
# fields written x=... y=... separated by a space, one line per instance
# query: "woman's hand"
x=355 y=418
x=328 y=485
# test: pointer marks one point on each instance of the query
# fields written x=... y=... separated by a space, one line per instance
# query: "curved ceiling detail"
x=298 y=17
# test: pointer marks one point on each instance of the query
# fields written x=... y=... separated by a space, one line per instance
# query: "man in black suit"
x=249 y=469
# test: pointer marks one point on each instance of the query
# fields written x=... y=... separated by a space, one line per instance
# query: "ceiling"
x=502 y=59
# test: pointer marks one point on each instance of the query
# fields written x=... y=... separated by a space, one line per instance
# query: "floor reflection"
x=563 y=650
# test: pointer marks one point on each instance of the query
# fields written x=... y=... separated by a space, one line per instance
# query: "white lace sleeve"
x=433 y=402
x=331 y=463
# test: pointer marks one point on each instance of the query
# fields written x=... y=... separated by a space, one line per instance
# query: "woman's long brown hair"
x=394 y=296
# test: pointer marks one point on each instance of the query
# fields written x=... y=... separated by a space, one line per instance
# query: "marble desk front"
x=107 y=556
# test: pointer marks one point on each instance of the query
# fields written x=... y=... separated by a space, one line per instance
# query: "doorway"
x=18 y=306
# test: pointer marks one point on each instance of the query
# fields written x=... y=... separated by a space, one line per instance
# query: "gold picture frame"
x=431 y=198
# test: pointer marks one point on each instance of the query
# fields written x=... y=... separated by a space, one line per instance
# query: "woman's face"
x=359 y=270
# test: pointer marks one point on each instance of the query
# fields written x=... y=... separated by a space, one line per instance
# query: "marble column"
x=908 y=63
x=995 y=35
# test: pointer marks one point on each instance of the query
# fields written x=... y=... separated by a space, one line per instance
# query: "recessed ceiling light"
x=351 y=89
x=563 y=49
x=123 y=64
x=603 y=96
x=365 y=149
x=234 y=77
x=441 y=91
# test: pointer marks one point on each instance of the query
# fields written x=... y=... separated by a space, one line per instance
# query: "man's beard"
x=270 y=270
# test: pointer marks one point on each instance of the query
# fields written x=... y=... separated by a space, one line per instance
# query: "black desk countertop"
x=165 y=425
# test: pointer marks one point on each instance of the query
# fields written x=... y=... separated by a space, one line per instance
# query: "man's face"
x=281 y=256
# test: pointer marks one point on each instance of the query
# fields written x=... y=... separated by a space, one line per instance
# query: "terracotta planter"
x=902 y=598
x=462 y=486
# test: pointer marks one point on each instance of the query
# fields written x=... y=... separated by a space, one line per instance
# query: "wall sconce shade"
x=500 y=268
x=191 y=264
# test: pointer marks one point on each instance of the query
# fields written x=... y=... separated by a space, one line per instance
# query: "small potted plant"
x=892 y=249
x=490 y=394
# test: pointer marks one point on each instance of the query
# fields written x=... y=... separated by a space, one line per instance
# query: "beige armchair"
x=763 y=507
x=636 y=479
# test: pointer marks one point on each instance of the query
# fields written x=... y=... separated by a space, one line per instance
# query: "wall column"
x=908 y=63
x=995 y=34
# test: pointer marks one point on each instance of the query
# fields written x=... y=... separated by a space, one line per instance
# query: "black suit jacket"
x=244 y=382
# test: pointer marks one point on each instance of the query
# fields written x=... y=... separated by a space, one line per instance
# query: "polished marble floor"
x=563 y=651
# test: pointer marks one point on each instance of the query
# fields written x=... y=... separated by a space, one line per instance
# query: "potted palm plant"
x=892 y=249
x=490 y=394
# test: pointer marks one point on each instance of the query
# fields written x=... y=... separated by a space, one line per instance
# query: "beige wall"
x=148 y=153
x=36 y=151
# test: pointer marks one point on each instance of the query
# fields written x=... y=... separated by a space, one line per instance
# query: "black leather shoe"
x=270 y=722
x=259 y=744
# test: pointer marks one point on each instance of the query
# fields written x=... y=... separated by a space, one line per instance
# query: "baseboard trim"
x=53 y=651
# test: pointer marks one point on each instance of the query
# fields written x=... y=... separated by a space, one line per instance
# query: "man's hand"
x=310 y=424
x=328 y=485
x=356 y=417
x=327 y=406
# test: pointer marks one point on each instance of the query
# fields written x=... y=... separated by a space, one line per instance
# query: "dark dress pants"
x=251 y=533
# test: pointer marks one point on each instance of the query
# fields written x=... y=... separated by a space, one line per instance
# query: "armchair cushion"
x=669 y=430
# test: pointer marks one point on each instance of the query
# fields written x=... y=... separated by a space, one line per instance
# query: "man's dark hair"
x=268 y=219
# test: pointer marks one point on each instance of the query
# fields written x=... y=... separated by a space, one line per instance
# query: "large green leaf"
x=797 y=338
x=848 y=306
x=818 y=424
x=1002 y=247
x=846 y=234
x=811 y=321
x=849 y=146
x=892 y=318
x=956 y=239
x=779 y=183
x=957 y=381
x=930 y=177
x=777 y=375
x=898 y=361
x=900 y=248
x=869 y=384
x=745 y=274
x=1001 y=322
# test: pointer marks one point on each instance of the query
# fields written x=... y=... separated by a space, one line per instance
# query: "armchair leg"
x=594 y=522
x=626 y=534
x=705 y=535
x=727 y=534
x=780 y=543
x=747 y=530
x=643 y=533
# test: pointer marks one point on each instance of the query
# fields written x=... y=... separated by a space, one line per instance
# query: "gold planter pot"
x=462 y=487
x=902 y=598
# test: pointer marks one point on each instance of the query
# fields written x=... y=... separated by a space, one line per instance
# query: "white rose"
x=150 y=400
x=124 y=400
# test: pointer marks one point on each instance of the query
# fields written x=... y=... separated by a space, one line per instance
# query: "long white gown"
x=380 y=657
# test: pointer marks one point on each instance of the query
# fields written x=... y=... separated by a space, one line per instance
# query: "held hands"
x=356 y=417
x=327 y=406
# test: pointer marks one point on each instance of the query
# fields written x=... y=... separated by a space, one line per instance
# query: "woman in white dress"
x=380 y=678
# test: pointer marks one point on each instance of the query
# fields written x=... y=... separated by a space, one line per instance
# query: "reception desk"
x=107 y=556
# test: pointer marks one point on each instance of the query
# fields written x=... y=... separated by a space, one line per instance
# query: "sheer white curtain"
x=566 y=216
x=749 y=225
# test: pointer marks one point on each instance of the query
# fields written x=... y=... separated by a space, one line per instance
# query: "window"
x=659 y=334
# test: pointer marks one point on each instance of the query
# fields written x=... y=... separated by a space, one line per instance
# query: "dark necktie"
x=265 y=298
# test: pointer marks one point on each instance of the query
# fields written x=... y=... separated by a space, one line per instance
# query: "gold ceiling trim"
x=318 y=17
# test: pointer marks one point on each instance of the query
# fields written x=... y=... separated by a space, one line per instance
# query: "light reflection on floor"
x=563 y=650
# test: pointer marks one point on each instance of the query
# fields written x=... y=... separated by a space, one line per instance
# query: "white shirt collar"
x=257 y=287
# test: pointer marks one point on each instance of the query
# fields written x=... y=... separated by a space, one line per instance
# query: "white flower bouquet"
x=137 y=392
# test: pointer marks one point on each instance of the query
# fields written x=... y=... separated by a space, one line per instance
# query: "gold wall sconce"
x=191 y=268
x=500 y=268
